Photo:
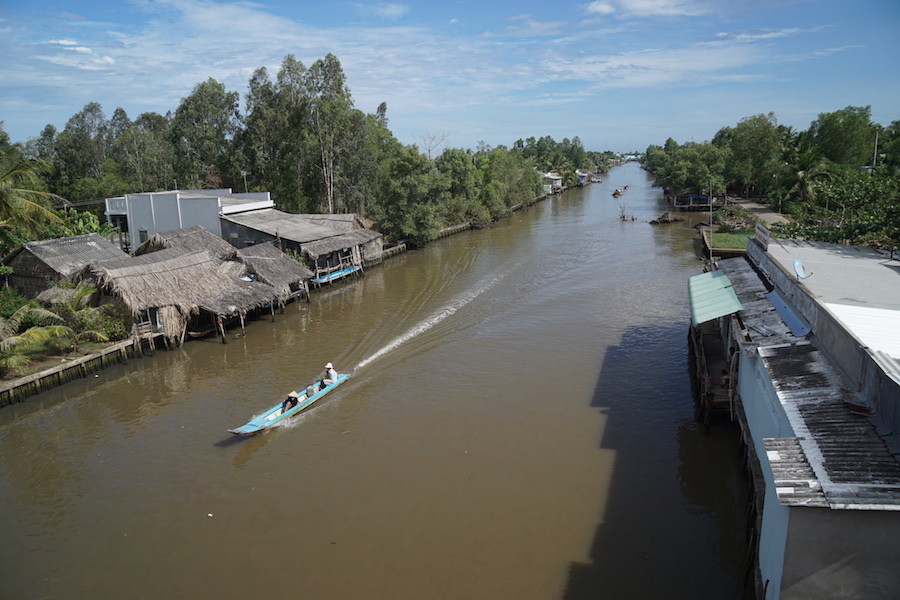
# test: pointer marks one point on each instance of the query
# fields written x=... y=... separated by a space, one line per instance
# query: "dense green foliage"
x=832 y=179
x=300 y=138
x=28 y=331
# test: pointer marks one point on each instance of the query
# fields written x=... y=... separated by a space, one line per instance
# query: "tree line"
x=297 y=136
x=837 y=180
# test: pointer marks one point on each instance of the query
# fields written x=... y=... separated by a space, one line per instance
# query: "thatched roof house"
x=168 y=287
x=189 y=239
x=268 y=264
x=39 y=265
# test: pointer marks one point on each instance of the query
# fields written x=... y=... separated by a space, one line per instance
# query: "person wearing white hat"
x=330 y=375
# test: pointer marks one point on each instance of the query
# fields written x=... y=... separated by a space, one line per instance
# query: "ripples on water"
x=518 y=425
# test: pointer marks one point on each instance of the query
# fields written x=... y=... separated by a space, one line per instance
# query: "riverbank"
x=452 y=443
x=64 y=368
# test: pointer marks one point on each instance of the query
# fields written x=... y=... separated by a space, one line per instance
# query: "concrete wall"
x=842 y=554
x=765 y=419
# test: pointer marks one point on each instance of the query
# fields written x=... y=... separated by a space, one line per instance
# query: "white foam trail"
x=434 y=319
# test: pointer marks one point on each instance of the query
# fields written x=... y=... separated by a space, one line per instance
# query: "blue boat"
x=335 y=275
x=307 y=397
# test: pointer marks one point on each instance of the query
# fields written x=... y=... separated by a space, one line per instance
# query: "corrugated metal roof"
x=67 y=255
x=711 y=296
x=851 y=463
x=836 y=457
x=340 y=242
x=287 y=226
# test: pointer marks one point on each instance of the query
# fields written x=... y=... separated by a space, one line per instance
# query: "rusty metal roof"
x=836 y=457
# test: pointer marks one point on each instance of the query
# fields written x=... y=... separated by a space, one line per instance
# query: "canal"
x=519 y=424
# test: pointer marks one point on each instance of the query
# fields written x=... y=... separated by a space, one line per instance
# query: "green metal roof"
x=711 y=297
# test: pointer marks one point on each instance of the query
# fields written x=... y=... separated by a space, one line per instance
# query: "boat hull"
x=275 y=415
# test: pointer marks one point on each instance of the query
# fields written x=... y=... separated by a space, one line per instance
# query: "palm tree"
x=14 y=343
x=21 y=204
x=807 y=169
x=81 y=317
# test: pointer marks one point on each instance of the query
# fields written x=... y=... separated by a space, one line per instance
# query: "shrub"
x=11 y=301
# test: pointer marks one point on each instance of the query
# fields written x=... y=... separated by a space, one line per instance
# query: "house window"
x=142 y=235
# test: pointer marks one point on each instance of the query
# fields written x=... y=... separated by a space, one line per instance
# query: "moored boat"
x=306 y=398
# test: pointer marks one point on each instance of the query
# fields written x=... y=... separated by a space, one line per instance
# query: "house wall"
x=765 y=419
x=152 y=213
x=240 y=237
x=31 y=275
x=841 y=554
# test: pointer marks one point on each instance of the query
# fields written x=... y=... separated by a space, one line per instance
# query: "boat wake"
x=433 y=319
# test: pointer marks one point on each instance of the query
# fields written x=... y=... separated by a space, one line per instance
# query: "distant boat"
x=309 y=396
x=618 y=192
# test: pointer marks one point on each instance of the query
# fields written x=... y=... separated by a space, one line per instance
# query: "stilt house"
x=164 y=290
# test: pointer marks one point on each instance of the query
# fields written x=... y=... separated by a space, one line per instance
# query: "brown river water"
x=519 y=425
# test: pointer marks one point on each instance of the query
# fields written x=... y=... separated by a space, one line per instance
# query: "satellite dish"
x=800 y=269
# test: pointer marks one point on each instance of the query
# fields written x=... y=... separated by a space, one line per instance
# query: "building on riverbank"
x=40 y=265
x=168 y=290
x=333 y=243
x=139 y=216
x=810 y=335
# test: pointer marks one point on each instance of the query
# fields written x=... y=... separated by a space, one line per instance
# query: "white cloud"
x=526 y=27
x=388 y=12
x=648 y=8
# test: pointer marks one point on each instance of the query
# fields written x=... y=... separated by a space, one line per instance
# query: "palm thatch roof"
x=58 y=295
x=178 y=284
x=188 y=239
x=339 y=242
x=272 y=266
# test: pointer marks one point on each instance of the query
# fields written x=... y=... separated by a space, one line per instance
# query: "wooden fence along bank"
x=16 y=390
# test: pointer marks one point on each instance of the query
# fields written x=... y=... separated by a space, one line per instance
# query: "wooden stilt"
x=221 y=329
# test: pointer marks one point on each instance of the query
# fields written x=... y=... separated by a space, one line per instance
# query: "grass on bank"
x=731 y=240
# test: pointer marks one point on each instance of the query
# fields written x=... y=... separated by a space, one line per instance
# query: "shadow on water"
x=652 y=535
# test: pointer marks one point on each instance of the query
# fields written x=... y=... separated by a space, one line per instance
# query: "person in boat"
x=330 y=376
x=290 y=402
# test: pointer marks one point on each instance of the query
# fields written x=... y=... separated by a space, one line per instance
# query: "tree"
x=81 y=148
x=845 y=136
x=411 y=200
x=430 y=141
x=754 y=146
x=804 y=172
x=201 y=133
x=145 y=155
x=16 y=342
x=22 y=201
x=329 y=123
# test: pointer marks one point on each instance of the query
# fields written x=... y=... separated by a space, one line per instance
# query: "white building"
x=139 y=216
x=812 y=332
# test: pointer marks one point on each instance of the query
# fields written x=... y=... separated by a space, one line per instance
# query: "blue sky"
x=619 y=74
